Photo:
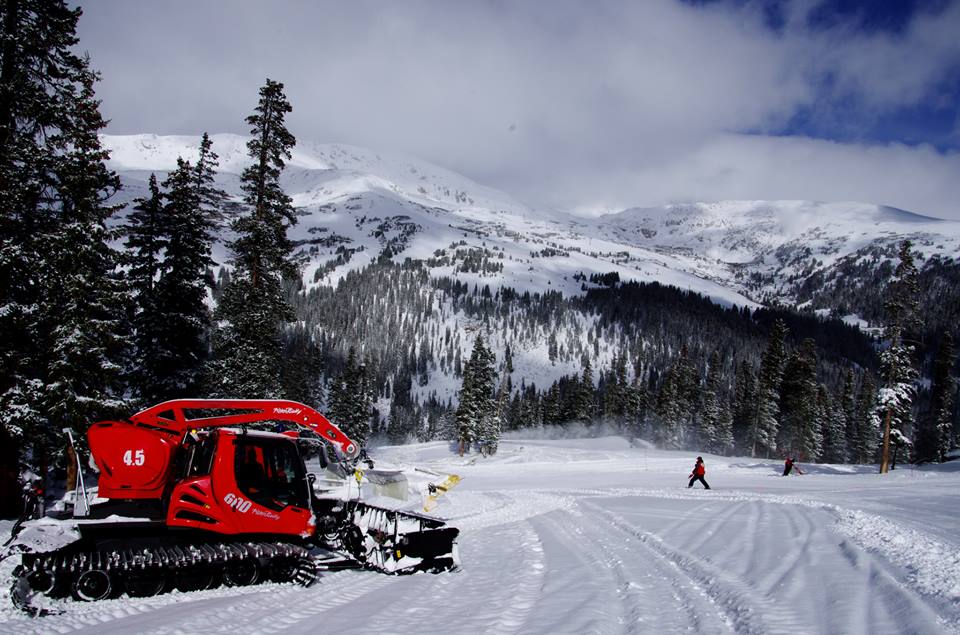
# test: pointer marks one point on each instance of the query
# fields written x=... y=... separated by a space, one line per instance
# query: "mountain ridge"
x=356 y=204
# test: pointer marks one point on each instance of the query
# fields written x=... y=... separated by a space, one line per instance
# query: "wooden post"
x=71 y=469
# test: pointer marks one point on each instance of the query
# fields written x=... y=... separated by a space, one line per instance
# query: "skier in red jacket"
x=789 y=466
x=698 y=472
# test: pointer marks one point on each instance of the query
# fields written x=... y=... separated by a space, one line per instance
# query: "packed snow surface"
x=596 y=536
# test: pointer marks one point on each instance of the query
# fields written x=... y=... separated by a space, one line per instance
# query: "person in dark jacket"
x=697 y=473
x=788 y=467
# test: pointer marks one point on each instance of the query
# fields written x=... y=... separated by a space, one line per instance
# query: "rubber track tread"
x=168 y=560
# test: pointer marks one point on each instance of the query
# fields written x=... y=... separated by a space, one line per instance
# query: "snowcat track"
x=151 y=570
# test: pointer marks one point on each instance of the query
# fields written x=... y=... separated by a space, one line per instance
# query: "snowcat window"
x=196 y=457
x=270 y=473
x=202 y=460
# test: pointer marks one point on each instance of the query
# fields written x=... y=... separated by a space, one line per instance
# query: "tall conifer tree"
x=935 y=435
x=476 y=395
x=146 y=243
x=711 y=409
x=63 y=325
x=798 y=398
x=582 y=404
x=90 y=338
x=191 y=212
x=744 y=407
x=351 y=398
x=676 y=402
x=766 y=420
x=895 y=398
x=834 y=427
x=254 y=307
x=867 y=425
x=34 y=109
x=847 y=409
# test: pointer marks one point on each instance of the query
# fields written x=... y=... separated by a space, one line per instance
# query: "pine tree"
x=254 y=307
x=616 y=397
x=765 y=421
x=493 y=422
x=711 y=409
x=146 y=243
x=895 y=398
x=937 y=428
x=744 y=407
x=209 y=197
x=799 y=432
x=811 y=440
x=834 y=427
x=302 y=369
x=724 y=439
x=552 y=404
x=668 y=412
x=190 y=214
x=351 y=399
x=54 y=246
x=637 y=403
x=476 y=395
x=581 y=406
x=847 y=410
x=867 y=425
x=90 y=339
x=675 y=403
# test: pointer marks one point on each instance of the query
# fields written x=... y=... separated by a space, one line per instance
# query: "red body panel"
x=134 y=462
x=216 y=503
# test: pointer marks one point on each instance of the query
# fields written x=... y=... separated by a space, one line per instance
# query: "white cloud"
x=566 y=102
x=888 y=70
x=918 y=179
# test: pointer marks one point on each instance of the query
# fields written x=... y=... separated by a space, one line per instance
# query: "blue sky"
x=585 y=106
x=935 y=120
x=835 y=115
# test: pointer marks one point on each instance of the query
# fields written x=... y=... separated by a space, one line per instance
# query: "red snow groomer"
x=189 y=497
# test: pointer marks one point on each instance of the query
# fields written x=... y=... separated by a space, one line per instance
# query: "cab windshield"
x=270 y=472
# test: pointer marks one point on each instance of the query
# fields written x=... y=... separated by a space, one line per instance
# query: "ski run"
x=596 y=536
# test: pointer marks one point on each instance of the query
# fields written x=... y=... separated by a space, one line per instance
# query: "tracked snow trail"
x=796 y=576
x=611 y=584
x=593 y=536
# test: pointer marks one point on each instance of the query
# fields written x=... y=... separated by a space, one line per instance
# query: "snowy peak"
x=784 y=219
x=315 y=168
x=768 y=248
x=150 y=152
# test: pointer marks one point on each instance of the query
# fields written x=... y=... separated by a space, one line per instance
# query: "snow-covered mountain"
x=355 y=204
x=783 y=251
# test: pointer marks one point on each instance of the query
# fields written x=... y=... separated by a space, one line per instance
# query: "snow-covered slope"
x=764 y=248
x=357 y=203
x=362 y=202
x=596 y=536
